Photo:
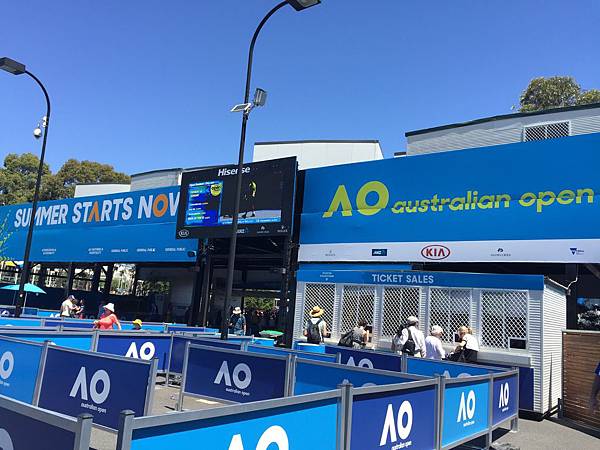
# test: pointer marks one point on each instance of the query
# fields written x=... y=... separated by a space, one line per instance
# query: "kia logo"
x=183 y=233
x=435 y=252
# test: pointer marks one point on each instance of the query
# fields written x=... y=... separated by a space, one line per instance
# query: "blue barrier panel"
x=448 y=369
x=29 y=310
x=367 y=358
x=76 y=340
x=155 y=327
x=137 y=345
x=402 y=416
x=76 y=382
x=465 y=410
x=178 y=349
x=505 y=399
x=19 y=368
x=306 y=347
x=69 y=324
x=184 y=329
x=234 y=376
x=314 y=376
x=24 y=426
x=47 y=313
x=20 y=322
x=258 y=348
x=290 y=423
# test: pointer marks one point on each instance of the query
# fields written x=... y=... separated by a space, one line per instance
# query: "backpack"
x=313 y=334
x=409 y=347
x=346 y=339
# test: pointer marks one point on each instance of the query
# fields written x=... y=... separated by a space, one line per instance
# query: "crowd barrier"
x=259 y=348
x=12 y=322
x=366 y=358
x=138 y=345
x=20 y=368
x=80 y=340
x=447 y=369
x=24 y=426
x=233 y=376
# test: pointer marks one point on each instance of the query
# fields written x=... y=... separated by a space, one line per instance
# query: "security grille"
x=546 y=131
x=450 y=309
x=503 y=315
x=357 y=303
x=319 y=294
x=398 y=304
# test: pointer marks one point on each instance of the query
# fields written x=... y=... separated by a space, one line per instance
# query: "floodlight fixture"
x=260 y=97
x=300 y=5
x=12 y=66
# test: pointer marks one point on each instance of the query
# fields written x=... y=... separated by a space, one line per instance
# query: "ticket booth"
x=517 y=319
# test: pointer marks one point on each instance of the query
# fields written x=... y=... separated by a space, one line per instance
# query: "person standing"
x=315 y=328
x=360 y=335
x=68 y=306
x=108 y=319
x=433 y=344
x=237 y=322
x=467 y=348
x=411 y=339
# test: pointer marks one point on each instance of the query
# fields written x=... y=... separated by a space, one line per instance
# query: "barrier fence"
x=146 y=346
x=258 y=348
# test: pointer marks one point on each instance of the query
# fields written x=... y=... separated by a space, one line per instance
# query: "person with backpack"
x=237 y=322
x=467 y=348
x=409 y=340
x=357 y=337
x=315 y=329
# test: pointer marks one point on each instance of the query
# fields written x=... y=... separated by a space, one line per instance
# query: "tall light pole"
x=298 y=5
x=16 y=68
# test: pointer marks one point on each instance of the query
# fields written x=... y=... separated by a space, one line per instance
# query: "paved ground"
x=553 y=434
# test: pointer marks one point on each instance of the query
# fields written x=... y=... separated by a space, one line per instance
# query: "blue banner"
x=19 y=367
x=311 y=377
x=238 y=377
x=505 y=402
x=20 y=322
x=47 y=313
x=367 y=359
x=18 y=431
x=62 y=339
x=138 y=347
x=155 y=327
x=69 y=324
x=77 y=382
x=285 y=351
x=300 y=426
x=178 y=349
x=465 y=411
x=432 y=368
x=452 y=206
x=394 y=420
x=129 y=227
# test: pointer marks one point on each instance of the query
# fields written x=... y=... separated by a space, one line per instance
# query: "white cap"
x=412 y=320
x=436 y=329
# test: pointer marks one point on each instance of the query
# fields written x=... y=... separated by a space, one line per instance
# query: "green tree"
x=18 y=176
x=555 y=92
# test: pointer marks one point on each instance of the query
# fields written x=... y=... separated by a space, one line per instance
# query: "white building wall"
x=87 y=190
x=156 y=179
x=535 y=323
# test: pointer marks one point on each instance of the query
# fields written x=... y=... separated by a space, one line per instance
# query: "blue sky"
x=148 y=84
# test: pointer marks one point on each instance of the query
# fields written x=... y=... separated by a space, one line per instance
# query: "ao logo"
x=7 y=364
x=98 y=396
x=394 y=427
x=504 y=395
x=365 y=362
x=5 y=440
x=240 y=382
x=146 y=352
x=273 y=435
x=466 y=409
x=460 y=375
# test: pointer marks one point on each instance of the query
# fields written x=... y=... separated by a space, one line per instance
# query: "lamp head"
x=12 y=66
x=300 y=5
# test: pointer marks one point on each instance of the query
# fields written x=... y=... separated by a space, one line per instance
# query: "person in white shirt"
x=467 y=348
x=67 y=307
x=433 y=344
x=411 y=331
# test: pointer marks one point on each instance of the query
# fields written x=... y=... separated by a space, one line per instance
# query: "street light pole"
x=17 y=69
x=298 y=5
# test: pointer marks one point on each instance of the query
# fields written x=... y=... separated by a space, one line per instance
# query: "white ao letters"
x=466 y=409
x=7 y=364
x=5 y=440
x=365 y=362
x=504 y=396
x=272 y=435
x=147 y=351
x=98 y=397
x=393 y=427
x=226 y=376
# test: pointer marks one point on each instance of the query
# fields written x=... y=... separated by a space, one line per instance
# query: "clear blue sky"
x=148 y=84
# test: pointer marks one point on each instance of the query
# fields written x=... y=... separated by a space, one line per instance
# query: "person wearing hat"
x=433 y=344
x=237 y=322
x=137 y=325
x=68 y=306
x=315 y=329
x=412 y=340
x=108 y=319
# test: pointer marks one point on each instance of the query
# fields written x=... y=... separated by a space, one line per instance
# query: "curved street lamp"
x=298 y=5
x=16 y=68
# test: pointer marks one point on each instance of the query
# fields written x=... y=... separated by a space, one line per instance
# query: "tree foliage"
x=18 y=177
x=555 y=92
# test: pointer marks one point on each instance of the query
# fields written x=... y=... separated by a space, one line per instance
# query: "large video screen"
x=206 y=200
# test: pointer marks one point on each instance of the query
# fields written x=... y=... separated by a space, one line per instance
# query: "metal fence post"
x=84 y=431
x=440 y=427
x=42 y=367
x=489 y=437
x=168 y=374
x=404 y=363
x=345 y=416
x=125 y=430
x=95 y=340
x=151 y=387
x=292 y=375
x=179 y=406
x=514 y=423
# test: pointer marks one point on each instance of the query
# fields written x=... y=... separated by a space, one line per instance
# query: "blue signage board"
x=367 y=359
x=19 y=431
x=47 y=313
x=465 y=411
x=285 y=351
x=178 y=349
x=124 y=227
x=432 y=368
x=394 y=420
x=81 y=382
x=155 y=327
x=75 y=341
x=450 y=206
x=298 y=426
x=238 y=377
x=69 y=324
x=505 y=403
x=138 y=347
x=311 y=377
x=19 y=367
x=9 y=322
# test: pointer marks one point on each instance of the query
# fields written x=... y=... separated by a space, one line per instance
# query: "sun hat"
x=110 y=307
x=317 y=311
x=237 y=310
x=137 y=322
x=412 y=320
